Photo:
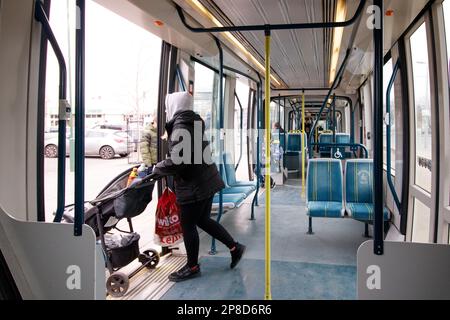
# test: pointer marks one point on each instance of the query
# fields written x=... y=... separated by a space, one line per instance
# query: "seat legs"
x=366 y=230
x=310 y=230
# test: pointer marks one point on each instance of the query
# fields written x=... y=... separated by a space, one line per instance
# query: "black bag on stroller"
x=114 y=203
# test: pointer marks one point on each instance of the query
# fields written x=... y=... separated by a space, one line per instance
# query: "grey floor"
x=319 y=266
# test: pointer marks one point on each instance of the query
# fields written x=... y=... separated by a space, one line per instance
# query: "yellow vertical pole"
x=268 y=293
x=303 y=146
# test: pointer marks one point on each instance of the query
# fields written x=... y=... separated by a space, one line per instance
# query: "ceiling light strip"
x=205 y=12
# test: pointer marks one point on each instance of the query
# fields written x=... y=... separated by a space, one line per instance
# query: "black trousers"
x=199 y=214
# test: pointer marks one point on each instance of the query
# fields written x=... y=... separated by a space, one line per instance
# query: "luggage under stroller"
x=114 y=203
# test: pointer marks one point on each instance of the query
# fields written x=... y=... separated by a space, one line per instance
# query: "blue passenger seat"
x=230 y=201
x=327 y=138
x=230 y=173
x=293 y=153
x=324 y=190
x=359 y=190
x=244 y=190
x=343 y=138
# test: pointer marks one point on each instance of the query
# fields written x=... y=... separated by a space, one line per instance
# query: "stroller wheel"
x=117 y=284
x=149 y=258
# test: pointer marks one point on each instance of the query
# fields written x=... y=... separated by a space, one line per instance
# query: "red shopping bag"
x=168 y=229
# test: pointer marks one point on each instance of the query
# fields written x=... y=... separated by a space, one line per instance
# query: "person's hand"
x=154 y=176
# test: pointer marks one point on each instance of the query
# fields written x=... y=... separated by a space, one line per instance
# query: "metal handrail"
x=378 y=135
x=343 y=145
x=221 y=142
x=80 y=121
x=388 y=137
x=64 y=107
x=241 y=127
x=290 y=26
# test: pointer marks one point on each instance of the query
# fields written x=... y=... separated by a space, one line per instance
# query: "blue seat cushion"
x=249 y=184
x=239 y=190
x=230 y=198
x=364 y=211
x=319 y=209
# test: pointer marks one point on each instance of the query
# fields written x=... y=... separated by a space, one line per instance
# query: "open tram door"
x=396 y=270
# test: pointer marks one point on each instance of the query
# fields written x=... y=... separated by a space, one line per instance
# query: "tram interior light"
x=341 y=13
x=196 y=5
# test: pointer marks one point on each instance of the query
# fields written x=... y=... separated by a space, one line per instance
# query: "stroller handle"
x=145 y=182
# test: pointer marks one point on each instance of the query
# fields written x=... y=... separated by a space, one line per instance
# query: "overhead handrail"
x=388 y=137
x=300 y=89
x=241 y=128
x=353 y=146
x=226 y=68
x=180 y=79
x=64 y=107
x=273 y=27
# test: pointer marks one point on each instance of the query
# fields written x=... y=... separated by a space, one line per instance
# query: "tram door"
x=423 y=137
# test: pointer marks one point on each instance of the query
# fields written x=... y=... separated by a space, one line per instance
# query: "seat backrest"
x=294 y=142
x=359 y=181
x=324 y=180
x=342 y=138
x=230 y=173
x=325 y=138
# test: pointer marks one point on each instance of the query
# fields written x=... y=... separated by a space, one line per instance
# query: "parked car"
x=53 y=133
x=101 y=142
x=119 y=127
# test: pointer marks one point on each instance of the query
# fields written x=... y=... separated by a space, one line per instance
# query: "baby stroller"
x=114 y=203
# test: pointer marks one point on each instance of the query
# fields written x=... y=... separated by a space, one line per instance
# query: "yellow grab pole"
x=268 y=293
x=303 y=145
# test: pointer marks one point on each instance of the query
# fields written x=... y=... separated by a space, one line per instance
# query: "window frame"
x=415 y=191
x=442 y=58
x=389 y=59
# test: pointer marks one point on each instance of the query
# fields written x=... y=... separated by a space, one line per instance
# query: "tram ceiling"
x=300 y=58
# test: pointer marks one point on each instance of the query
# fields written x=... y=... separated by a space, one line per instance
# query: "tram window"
x=387 y=72
x=204 y=98
x=422 y=102
x=122 y=81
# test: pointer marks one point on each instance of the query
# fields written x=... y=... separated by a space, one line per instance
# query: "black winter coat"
x=193 y=182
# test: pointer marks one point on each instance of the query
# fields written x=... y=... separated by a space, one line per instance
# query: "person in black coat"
x=196 y=181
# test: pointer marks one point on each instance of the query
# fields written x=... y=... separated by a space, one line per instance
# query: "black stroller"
x=114 y=203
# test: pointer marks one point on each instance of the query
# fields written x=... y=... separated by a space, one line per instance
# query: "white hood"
x=176 y=102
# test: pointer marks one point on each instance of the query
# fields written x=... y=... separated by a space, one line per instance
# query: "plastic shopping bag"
x=168 y=231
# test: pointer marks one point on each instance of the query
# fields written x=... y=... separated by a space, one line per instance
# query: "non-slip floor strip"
x=153 y=284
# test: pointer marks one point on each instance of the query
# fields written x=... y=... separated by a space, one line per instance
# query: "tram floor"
x=319 y=266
